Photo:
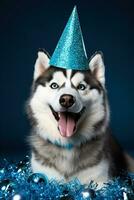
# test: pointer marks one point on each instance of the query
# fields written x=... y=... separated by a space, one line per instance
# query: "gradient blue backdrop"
x=28 y=25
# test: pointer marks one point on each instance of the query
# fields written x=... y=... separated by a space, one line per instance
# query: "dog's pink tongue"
x=66 y=125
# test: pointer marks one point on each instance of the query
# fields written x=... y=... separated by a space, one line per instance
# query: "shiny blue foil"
x=17 y=182
x=70 y=51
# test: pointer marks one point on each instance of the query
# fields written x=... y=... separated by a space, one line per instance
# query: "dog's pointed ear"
x=41 y=64
x=97 y=67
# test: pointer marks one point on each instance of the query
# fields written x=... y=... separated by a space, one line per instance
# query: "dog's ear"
x=41 y=64
x=97 y=67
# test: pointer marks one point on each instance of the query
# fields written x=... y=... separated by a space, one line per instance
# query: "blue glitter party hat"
x=70 y=51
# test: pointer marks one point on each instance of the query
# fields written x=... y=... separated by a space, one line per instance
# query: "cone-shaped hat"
x=70 y=51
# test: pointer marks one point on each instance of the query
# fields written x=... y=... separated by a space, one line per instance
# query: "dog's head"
x=69 y=106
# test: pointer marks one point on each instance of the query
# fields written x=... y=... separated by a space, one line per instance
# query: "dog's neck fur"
x=70 y=146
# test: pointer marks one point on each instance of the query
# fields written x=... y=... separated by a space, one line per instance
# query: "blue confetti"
x=17 y=182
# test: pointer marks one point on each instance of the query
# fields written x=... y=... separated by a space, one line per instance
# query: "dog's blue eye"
x=54 y=85
x=81 y=87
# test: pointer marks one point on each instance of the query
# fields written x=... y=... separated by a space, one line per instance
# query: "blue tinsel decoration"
x=17 y=182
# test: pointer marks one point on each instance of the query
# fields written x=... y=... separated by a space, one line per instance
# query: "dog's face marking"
x=85 y=87
x=55 y=83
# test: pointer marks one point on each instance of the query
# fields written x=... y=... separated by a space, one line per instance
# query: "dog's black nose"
x=67 y=100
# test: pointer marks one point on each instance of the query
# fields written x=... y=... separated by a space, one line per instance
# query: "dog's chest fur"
x=86 y=162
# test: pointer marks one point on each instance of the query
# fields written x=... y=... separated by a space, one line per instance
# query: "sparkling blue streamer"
x=18 y=182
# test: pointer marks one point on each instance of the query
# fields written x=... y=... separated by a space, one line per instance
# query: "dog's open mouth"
x=67 y=122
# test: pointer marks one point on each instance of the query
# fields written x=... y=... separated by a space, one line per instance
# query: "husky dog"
x=70 y=135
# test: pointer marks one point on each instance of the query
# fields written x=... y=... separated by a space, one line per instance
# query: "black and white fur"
x=94 y=155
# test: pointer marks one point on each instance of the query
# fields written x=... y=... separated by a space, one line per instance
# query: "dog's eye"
x=54 y=85
x=81 y=87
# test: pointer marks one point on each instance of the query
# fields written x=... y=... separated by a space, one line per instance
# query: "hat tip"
x=75 y=8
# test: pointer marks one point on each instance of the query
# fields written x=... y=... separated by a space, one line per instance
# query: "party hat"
x=70 y=51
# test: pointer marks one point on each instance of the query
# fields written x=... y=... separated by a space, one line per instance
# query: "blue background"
x=26 y=26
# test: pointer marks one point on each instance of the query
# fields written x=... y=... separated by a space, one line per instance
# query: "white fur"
x=59 y=78
x=69 y=73
x=41 y=64
x=97 y=64
x=77 y=79
x=98 y=173
x=49 y=172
